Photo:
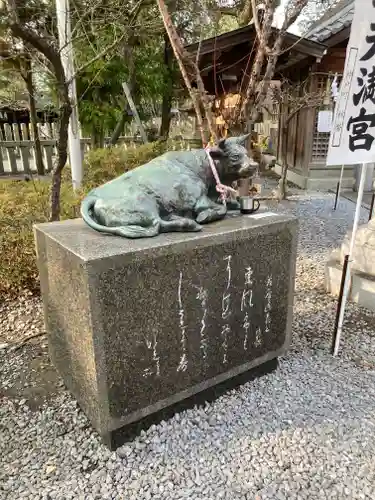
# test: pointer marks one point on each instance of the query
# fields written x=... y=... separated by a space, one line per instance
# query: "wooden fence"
x=17 y=154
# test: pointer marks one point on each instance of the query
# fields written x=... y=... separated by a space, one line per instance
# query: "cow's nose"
x=248 y=168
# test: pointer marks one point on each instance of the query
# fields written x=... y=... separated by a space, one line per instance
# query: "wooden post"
x=48 y=152
x=50 y=131
x=37 y=149
x=11 y=150
x=1 y=161
x=24 y=150
x=309 y=124
x=135 y=112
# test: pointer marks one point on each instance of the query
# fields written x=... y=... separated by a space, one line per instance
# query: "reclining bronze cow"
x=173 y=192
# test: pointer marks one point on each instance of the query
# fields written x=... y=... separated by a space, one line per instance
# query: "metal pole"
x=135 y=112
x=337 y=195
x=347 y=277
x=338 y=188
x=372 y=206
x=343 y=277
x=67 y=59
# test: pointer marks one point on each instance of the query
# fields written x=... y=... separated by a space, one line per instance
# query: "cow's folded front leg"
x=175 y=223
x=233 y=204
x=209 y=211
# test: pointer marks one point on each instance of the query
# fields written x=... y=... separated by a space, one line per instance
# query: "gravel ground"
x=306 y=431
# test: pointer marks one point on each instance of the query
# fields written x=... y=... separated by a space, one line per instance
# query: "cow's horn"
x=242 y=139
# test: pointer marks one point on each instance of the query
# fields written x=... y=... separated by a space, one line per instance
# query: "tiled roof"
x=336 y=19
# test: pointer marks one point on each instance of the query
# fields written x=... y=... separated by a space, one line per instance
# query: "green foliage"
x=99 y=93
x=99 y=87
x=150 y=72
x=134 y=38
x=23 y=204
x=102 y=165
x=11 y=84
x=138 y=59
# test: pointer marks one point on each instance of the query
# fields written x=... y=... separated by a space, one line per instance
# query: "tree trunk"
x=52 y=54
x=247 y=107
x=62 y=156
x=97 y=137
x=246 y=15
x=168 y=90
x=284 y=171
x=101 y=137
x=272 y=57
x=268 y=75
x=189 y=70
x=129 y=58
x=28 y=78
x=119 y=127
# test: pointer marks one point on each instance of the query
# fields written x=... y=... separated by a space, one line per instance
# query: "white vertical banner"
x=352 y=139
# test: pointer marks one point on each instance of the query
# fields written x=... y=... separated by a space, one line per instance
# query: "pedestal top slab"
x=88 y=245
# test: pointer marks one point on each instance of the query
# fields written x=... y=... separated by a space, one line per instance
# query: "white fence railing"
x=17 y=153
x=17 y=147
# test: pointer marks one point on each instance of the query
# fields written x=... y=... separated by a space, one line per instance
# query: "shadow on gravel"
x=27 y=374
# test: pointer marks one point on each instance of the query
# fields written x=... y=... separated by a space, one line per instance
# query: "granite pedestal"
x=136 y=326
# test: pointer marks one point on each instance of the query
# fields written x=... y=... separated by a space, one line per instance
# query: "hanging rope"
x=223 y=190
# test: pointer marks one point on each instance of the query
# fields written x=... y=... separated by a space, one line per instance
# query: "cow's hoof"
x=211 y=214
x=176 y=223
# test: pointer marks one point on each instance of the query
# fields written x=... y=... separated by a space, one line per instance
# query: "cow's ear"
x=216 y=152
x=221 y=144
x=242 y=139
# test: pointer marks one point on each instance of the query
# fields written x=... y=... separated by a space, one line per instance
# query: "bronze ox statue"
x=173 y=192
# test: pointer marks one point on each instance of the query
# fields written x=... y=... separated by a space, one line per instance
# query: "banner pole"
x=338 y=332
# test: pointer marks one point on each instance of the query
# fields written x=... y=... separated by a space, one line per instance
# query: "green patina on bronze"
x=173 y=192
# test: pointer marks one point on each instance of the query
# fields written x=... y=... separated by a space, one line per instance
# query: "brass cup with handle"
x=248 y=204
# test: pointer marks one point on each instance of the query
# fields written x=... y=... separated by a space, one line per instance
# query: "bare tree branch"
x=100 y=55
x=256 y=19
x=189 y=71
x=255 y=77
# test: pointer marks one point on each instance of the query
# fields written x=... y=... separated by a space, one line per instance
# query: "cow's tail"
x=130 y=231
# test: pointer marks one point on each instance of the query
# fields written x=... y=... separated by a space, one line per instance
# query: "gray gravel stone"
x=304 y=432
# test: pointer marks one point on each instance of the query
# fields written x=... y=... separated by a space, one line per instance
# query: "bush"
x=25 y=203
x=102 y=165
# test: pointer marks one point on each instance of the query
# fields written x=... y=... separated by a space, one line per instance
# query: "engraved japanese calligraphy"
x=247 y=304
x=152 y=347
x=182 y=367
x=243 y=310
x=226 y=312
x=267 y=308
x=202 y=297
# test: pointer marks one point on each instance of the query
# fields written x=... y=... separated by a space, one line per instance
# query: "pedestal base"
x=118 y=437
